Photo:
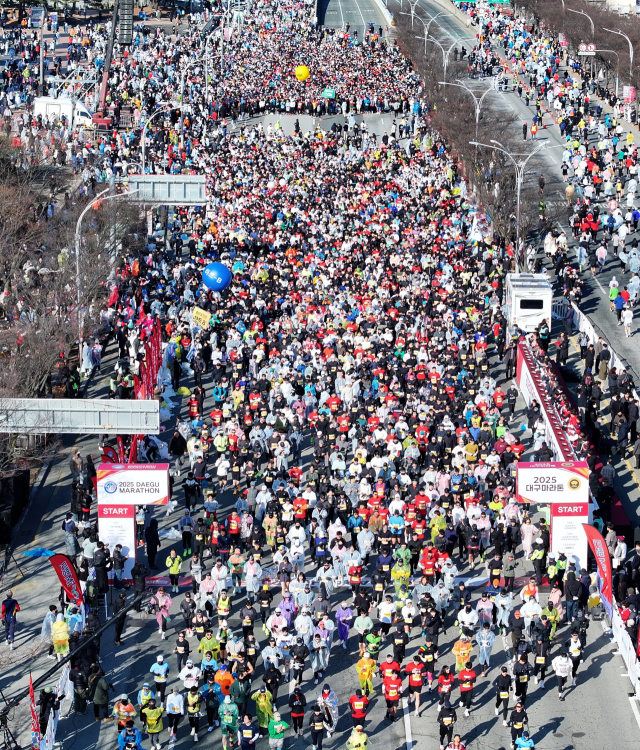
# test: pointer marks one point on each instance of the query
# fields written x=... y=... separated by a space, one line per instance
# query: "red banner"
x=68 y=577
x=133 y=453
x=35 y=723
x=120 y=443
x=150 y=361
x=601 y=553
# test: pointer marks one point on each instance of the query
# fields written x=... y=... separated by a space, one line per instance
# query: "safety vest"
x=193 y=703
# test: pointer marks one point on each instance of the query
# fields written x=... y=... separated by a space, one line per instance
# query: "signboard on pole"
x=133 y=484
x=117 y=525
x=562 y=39
x=329 y=93
x=567 y=531
x=553 y=482
x=201 y=317
x=587 y=50
x=120 y=488
x=629 y=94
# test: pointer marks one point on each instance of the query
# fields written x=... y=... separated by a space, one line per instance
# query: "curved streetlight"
x=161 y=110
x=617 y=65
x=426 y=26
x=445 y=54
x=582 y=13
x=476 y=99
x=78 y=243
x=520 y=167
x=620 y=33
x=182 y=81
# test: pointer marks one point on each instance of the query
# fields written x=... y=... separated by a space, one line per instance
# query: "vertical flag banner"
x=35 y=723
x=601 y=553
x=68 y=577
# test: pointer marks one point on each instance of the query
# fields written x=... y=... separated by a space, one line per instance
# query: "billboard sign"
x=133 y=484
x=567 y=531
x=117 y=525
x=553 y=482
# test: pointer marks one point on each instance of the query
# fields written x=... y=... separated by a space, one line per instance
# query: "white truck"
x=76 y=112
x=529 y=301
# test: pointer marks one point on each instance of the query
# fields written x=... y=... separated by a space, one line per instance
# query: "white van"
x=529 y=301
x=76 y=112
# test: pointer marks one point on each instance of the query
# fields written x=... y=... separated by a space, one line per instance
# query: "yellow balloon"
x=302 y=72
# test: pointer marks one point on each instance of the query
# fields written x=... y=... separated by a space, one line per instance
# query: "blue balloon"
x=216 y=276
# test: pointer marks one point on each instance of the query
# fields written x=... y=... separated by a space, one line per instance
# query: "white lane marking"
x=634 y=708
x=341 y=13
x=406 y=709
x=364 y=24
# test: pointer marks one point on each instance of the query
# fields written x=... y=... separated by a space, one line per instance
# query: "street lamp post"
x=426 y=26
x=477 y=100
x=206 y=63
x=445 y=54
x=412 y=5
x=617 y=64
x=182 y=81
x=520 y=167
x=620 y=33
x=144 y=132
x=582 y=13
x=78 y=244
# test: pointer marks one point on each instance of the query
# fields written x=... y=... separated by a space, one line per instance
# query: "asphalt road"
x=447 y=29
x=572 y=725
x=356 y=13
x=576 y=724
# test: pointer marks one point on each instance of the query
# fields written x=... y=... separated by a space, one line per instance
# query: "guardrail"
x=583 y=324
x=627 y=649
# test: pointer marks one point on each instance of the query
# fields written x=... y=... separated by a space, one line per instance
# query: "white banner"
x=133 y=484
x=567 y=531
x=552 y=482
x=117 y=525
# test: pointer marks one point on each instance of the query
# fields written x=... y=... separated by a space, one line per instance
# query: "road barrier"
x=627 y=650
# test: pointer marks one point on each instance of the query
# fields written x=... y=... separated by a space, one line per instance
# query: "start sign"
x=553 y=482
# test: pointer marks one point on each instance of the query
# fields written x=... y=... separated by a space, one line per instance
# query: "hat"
x=160 y=657
x=124 y=697
x=146 y=684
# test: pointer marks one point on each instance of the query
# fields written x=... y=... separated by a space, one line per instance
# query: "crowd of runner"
x=348 y=445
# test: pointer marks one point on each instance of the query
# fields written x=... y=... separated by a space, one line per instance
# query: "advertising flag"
x=35 y=723
x=601 y=553
x=68 y=577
